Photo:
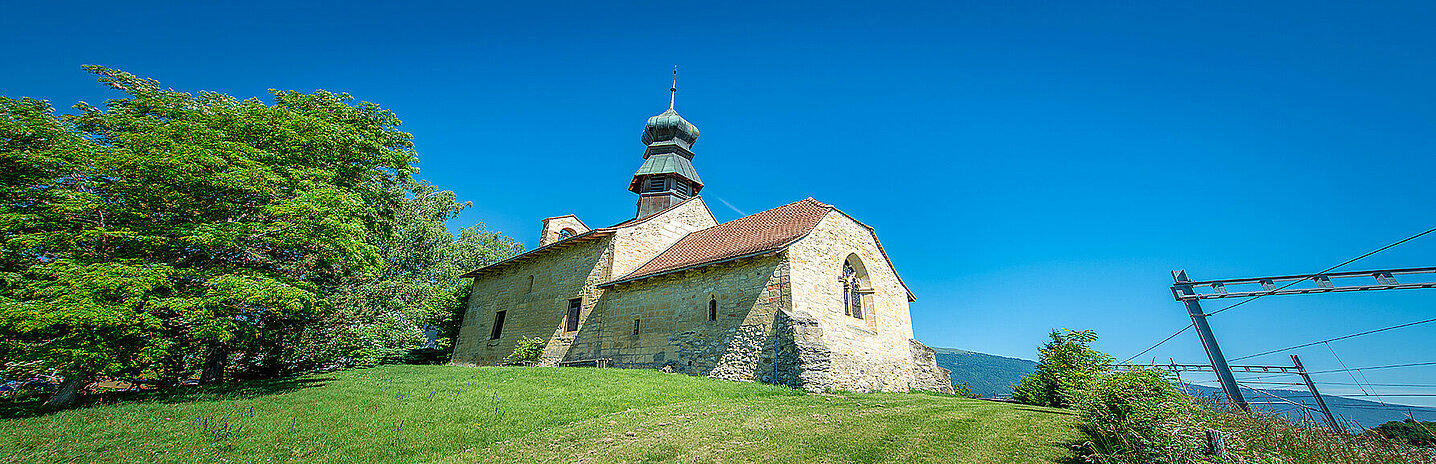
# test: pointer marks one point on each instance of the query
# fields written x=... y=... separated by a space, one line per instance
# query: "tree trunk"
x=214 y=362
x=69 y=391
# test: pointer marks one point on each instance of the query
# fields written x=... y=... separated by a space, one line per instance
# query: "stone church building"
x=800 y=295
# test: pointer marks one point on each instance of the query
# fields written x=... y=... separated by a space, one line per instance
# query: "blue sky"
x=1028 y=165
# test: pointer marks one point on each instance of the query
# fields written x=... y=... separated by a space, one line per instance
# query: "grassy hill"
x=462 y=415
x=988 y=375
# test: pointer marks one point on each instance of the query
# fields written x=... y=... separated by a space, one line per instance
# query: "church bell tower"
x=667 y=176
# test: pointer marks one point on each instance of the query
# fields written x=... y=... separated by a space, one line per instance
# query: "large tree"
x=167 y=230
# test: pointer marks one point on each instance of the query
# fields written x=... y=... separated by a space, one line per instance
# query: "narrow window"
x=635 y=326
x=498 y=325
x=856 y=300
x=712 y=308
x=571 y=322
x=852 y=299
x=531 y=284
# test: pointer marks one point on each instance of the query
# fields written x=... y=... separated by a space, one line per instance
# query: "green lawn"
x=462 y=415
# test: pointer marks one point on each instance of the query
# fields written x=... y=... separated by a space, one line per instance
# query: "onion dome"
x=668 y=125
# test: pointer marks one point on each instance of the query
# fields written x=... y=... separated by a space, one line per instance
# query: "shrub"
x=527 y=351
x=1065 y=365
x=964 y=390
x=1410 y=431
x=1141 y=415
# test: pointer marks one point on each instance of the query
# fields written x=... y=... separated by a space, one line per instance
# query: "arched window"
x=712 y=308
x=857 y=291
x=565 y=233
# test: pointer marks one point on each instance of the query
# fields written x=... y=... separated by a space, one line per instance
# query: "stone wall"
x=534 y=294
x=636 y=245
x=869 y=354
x=558 y=275
x=674 y=329
x=552 y=226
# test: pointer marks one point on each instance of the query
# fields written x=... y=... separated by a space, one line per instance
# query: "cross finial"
x=673 y=91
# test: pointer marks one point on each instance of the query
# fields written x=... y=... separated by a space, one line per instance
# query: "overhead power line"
x=1323 y=271
x=1389 y=366
x=1153 y=347
x=1248 y=300
x=1343 y=337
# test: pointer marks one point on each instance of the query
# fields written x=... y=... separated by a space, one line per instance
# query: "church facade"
x=800 y=295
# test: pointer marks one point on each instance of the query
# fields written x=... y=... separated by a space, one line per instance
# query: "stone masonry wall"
x=552 y=226
x=536 y=310
x=869 y=354
x=557 y=276
x=674 y=329
x=634 y=246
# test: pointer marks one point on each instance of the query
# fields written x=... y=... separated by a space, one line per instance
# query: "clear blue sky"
x=1028 y=165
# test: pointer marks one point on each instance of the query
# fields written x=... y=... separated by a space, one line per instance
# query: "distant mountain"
x=989 y=375
x=993 y=376
x=1367 y=414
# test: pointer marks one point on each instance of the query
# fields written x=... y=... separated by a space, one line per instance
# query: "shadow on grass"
x=180 y=394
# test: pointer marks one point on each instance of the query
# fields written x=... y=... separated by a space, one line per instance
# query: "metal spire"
x=673 y=91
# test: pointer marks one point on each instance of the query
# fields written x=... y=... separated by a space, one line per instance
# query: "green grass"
x=461 y=415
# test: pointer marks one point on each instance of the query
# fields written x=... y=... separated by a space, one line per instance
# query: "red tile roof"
x=762 y=232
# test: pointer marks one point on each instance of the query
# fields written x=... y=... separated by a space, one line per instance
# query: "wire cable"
x=1343 y=337
x=1248 y=300
x=1153 y=347
x=1348 y=371
x=1389 y=366
x=1323 y=271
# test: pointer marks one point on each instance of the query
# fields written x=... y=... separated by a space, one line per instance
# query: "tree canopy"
x=171 y=233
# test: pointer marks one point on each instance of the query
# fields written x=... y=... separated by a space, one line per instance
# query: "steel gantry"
x=1192 y=292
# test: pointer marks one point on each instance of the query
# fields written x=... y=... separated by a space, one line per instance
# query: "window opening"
x=565 y=233
x=531 y=284
x=635 y=326
x=571 y=322
x=498 y=325
x=657 y=184
x=852 y=299
x=712 y=308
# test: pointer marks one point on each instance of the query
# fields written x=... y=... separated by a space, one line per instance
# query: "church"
x=800 y=295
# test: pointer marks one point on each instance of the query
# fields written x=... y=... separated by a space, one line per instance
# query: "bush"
x=964 y=390
x=1410 y=431
x=526 y=352
x=1065 y=366
x=1141 y=415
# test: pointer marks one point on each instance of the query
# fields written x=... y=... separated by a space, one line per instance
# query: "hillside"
x=993 y=376
x=1367 y=414
x=989 y=375
x=461 y=415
